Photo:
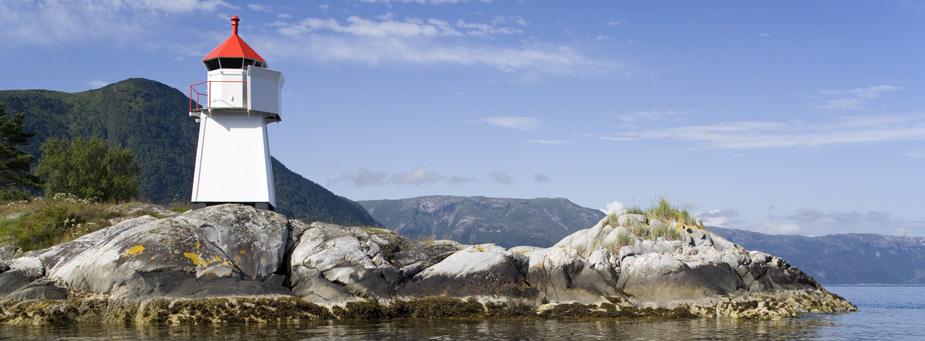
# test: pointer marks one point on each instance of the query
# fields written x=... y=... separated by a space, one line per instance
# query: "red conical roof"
x=234 y=46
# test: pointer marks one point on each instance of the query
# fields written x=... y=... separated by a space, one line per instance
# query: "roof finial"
x=234 y=25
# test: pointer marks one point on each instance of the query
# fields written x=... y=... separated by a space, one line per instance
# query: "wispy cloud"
x=649 y=115
x=386 y=40
x=501 y=177
x=835 y=99
x=541 y=178
x=259 y=8
x=423 y=2
x=915 y=154
x=96 y=83
x=416 y=177
x=53 y=23
x=764 y=134
x=524 y=123
x=546 y=141
x=811 y=221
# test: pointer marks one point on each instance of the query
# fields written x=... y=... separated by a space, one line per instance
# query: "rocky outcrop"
x=233 y=263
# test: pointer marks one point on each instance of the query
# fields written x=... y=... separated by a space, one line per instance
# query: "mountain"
x=150 y=118
x=854 y=258
x=473 y=220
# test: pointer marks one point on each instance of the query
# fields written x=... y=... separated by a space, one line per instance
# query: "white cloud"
x=915 y=155
x=721 y=218
x=810 y=221
x=423 y=2
x=764 y=35
x=50 y=23
x=422 y=41
x=649 y=115
x=480 y=29
x=763 y=134
x=501 y=177
x=524 y=123
x=614 y=207
x=777 y=227
x=834 y=99
x=545 y=141
x=96 y=83
x=259 y=8
x=324 y=7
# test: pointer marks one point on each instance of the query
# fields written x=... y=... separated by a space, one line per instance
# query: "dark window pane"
x=211 y=64
x=231 y=63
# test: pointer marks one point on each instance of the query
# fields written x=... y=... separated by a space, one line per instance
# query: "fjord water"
x=887 y=313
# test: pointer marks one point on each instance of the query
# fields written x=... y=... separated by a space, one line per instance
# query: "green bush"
x=88 y=168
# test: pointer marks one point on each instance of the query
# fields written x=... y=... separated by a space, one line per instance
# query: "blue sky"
x=782 y=117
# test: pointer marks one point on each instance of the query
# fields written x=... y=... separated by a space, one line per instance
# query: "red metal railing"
x=196 y=96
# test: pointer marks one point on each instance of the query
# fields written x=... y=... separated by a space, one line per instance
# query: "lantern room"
x=238 y=79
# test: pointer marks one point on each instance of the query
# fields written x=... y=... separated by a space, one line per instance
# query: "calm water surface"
x=887 y=313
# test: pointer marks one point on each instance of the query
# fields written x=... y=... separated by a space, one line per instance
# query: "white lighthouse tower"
x=233 y=107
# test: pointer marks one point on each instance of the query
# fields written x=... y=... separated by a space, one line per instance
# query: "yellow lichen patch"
x=194 y=258
x=135 y=250
x=242 y=251
x=198 y=245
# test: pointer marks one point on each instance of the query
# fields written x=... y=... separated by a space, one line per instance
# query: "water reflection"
x=887 y=313
x=526 y=329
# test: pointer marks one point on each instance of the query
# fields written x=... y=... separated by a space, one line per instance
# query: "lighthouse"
x=233 y=106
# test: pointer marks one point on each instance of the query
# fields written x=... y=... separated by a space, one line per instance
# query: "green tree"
x=14 y=162
x=88 y=168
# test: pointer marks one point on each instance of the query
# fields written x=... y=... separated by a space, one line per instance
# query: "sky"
x=787 y=117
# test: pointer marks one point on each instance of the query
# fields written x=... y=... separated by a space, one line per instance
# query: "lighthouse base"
x=233 y=160
x=258 y=205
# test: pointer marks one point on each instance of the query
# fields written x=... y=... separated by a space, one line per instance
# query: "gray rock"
x=148 y=256
x=332 y=263
x=41 y=289
x=255 y=240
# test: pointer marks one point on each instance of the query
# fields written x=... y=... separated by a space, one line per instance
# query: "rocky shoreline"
x=235 y=264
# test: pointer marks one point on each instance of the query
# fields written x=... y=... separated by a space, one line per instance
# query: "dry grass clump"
x=664 y=211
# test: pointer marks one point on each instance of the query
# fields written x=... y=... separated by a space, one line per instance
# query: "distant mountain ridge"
x=473 y=220
x=150 y=118
x=855 y=258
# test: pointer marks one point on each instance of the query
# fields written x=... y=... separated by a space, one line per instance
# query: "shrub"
x=638 y=229
x=635 y=210
x=88 y=168
x=666 y=212
x=623 y=239
x=613 y=219
x=43 y=222
x=665 y=231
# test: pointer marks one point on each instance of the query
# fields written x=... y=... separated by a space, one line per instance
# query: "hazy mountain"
x=506 y=222
x=843 y=258
x=151 y=119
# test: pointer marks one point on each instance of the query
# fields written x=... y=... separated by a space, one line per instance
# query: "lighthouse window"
x=211 y=64
x=230 y=63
